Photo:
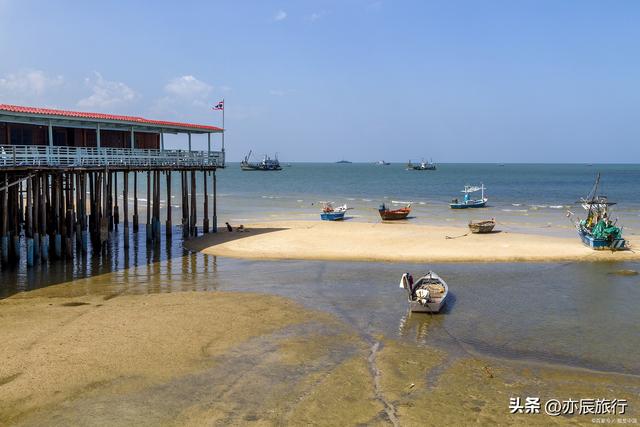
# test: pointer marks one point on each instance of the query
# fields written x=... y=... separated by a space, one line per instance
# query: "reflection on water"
x=576 y=314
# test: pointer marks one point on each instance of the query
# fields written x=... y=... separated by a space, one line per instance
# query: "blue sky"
x=456 y=81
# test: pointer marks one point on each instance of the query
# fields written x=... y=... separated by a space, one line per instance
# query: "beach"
x=193 y=358
x=395 y=242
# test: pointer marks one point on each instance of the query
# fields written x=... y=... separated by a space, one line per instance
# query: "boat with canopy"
x=468 y=201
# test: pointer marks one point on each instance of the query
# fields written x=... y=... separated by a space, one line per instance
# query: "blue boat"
x=468 y=201
x=332 y=216
x=329 y=213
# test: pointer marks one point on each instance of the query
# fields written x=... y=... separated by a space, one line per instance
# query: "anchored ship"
x=266 y=164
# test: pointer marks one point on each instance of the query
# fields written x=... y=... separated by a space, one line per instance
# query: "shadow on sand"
x=213 y=239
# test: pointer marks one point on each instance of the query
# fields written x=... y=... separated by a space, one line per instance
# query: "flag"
x=219 y=105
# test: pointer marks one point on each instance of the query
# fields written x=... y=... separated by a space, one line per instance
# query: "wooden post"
x=135 y=202
x=148 y=228
x=186 y=229
x=168 y=225
x=125 y=206
x=194 y=226
x=205 y=217
x=44 y=202
x=215 y=204
x=83 y=217
x=116 y=210
x=4 y=232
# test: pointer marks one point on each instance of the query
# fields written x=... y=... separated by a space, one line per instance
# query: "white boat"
x=428 y=294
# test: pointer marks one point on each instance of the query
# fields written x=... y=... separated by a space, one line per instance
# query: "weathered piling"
x=193 y=217
x=205 y=218
x=169 y=207
x=148 y=227
x=125 y=207
x=135 y=202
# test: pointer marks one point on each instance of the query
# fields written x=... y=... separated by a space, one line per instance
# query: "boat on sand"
x=482 y=227
x=428 y=294
x=394 y=214
x=329 y=213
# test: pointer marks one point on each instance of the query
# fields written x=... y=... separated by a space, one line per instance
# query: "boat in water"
x=266 y=164
x=598 y=231
x=423 y=166
x=482 y=227
x=394 y=214
x=329 y=213
x=468 y=201
x=428 y=294
x=383 y=163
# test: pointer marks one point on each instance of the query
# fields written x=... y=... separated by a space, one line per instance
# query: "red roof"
x=102 y=116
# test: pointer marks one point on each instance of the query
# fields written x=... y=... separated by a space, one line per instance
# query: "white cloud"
x=277 y=92
x=26 y=85
x=280 y=15
x=316 y=15
x=105 y=93
x=188 y=87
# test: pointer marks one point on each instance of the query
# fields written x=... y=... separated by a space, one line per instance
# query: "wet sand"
x=235 y=358
x=394 y=242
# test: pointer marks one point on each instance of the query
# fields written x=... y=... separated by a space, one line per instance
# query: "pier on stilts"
x=65 y=181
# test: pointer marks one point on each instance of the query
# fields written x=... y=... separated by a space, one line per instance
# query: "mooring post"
x=205 y=217
x=169 y=207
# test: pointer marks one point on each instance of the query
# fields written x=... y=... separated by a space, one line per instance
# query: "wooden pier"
x=59 y=175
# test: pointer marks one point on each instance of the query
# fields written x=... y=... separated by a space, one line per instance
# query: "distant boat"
x=344 y=162
x=482 y=227
x=383 y=163
x=428 y=294
x=391 y=215
x=598 y=231
x=329 y=213
x=423 y=166
x=467 y=201
x=266 y=164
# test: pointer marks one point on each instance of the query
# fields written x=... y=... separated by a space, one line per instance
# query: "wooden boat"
x=481 y=227
x=467 y=201
x=391 y=215
x=598 y=231
x=428 y=294
x=329 y=213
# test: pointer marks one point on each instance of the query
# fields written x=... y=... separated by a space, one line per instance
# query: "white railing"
x=93 y=157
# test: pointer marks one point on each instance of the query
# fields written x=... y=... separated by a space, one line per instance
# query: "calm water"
x=531 y=196
x=576 y=314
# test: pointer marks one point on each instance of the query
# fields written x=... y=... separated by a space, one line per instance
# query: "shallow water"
x=576 y=314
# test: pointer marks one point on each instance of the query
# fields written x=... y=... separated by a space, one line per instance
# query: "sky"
x=541 y=81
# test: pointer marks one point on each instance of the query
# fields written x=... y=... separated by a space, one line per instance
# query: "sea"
x=582 y=315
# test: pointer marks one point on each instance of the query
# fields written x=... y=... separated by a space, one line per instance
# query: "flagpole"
x=223 y=128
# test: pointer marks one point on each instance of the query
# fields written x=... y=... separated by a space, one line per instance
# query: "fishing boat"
x=394 y=214
x=598 y=231
x=468 y=201
x=383 y=163
x=428 y=294
x=423 y=166
x=266 y=164
x=329 y=213
x=482 y=227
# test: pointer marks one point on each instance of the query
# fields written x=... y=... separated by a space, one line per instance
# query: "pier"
x=59 y=175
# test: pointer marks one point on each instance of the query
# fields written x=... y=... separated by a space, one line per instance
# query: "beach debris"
x=455 y=237
x=625 y=272
x=488 y=371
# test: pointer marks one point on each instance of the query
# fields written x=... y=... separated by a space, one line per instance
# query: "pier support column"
x=169 y=207
x=116 y=209
x=4 y=233
x=214 y=226
x=148 y=227
x=125 y=206
x=205 y=217
x=135 y=202
x=194 y=226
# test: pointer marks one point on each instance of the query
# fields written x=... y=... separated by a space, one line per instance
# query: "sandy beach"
x=394 y=242
x=195 y=358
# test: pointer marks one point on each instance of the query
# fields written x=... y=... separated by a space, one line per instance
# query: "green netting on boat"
x=602 y=231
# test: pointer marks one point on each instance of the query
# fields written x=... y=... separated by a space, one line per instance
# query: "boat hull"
x=332 y=216
x=482 y=227
x=602 y=244
x=394 y=215
x=479 y=204
x=259 y=168
x=430 y=307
